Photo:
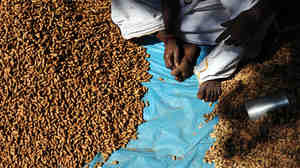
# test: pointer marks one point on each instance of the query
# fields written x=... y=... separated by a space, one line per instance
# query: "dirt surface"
x=70 y=86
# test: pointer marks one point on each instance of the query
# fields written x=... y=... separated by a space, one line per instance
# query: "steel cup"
x=260 y=107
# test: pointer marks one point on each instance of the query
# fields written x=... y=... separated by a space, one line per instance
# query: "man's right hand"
x=171 y=55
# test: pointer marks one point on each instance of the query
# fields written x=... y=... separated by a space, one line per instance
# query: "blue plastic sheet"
x=174 y=124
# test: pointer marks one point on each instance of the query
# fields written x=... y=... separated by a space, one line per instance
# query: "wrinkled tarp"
x=174 y=124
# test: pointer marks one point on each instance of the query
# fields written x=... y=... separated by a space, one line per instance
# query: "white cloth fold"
x=200 y=23
x=137 y=18
x=222 y=61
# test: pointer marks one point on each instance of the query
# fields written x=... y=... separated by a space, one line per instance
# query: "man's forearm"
x=264 y=9
x=273 y=5
x=170 y=11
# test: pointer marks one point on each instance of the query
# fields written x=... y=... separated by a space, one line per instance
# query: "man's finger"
x=228 y=23
x=176 y=56
x=179 y=79
x=185 y=75
x=245 y=42
x=223 y=36
x=230 y=41
x=237 y=43
x=175 y=72
x=168 y=59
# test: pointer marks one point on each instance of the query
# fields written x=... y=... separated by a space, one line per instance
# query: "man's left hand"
x=242 y=29
x=184 y=69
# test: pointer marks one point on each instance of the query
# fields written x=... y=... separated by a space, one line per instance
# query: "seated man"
x=236 y=27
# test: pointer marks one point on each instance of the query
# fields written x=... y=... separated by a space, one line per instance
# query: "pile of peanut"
x=70 y=85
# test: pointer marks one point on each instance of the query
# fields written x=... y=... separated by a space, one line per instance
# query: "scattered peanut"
x=248 y=145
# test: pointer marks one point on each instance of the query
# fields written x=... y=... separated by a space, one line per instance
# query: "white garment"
x=200 y=23
x=137 y=18
x=222 y=61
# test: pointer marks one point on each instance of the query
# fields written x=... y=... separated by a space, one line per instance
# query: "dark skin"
x=181 y=57
x=245 y=26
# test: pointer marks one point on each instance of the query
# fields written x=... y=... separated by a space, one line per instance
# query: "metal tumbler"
x=262 y=106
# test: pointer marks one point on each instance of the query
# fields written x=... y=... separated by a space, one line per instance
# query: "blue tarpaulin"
x=174 y=127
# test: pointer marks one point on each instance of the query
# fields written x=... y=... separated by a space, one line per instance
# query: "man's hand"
x=171 y=55
x=180 y=58
x=170 y=11
x=185 y=66
x=242 y=29
x=183 y=71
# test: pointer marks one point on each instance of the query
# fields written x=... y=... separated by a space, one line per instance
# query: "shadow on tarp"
x=174 y=124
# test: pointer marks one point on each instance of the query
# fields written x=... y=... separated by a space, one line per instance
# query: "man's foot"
x=185 y=66
x=210 y=91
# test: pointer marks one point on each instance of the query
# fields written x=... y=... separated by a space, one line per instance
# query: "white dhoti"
x=137 y=18
x=200 y=23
